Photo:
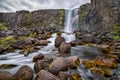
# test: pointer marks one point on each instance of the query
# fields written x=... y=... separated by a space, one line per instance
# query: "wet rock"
x=24 y=73
x=65 y=47
x=103 y=71
x=76 y=76
x=41 y=64
x=5 y=66
x=63 y=75
x=58 y=41
x=39 y=56
x=43 y=43
x=27 y=50
x=87 y=38
x=4 y=75
x=45 y=75
x=89 y=64
x=73 y=61
x=106 y=62
x=59 y=64
x=75 y=42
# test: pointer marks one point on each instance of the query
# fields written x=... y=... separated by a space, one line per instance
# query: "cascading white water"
x=68 y=21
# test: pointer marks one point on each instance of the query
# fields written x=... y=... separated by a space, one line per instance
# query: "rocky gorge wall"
x=40 y=18
x=100 y=15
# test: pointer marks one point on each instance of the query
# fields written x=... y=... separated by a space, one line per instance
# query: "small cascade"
x=68 y=21
x=71 y=20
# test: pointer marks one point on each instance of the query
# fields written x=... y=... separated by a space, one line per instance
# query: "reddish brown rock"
x=59 y=64
x=24 y=73
x=58 y=41
x=65 y=48
x=45 y=75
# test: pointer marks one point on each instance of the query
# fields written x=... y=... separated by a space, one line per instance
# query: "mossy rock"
x=5 y=43
x=106 y=63
x=2 y=26
x=89 y=64
x=6 y=66
x=102 y=71
x=76 y=76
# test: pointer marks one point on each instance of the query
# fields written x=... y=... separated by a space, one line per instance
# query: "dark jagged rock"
x=100 y=16
x=42 y=18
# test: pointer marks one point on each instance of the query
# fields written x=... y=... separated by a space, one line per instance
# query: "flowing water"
x=71 y=24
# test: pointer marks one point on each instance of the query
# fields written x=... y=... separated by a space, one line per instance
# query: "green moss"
x=2 y=26
x=33 y=34
x=115 y=32
x=6 y=42
x=22 y=37
x=116 y=37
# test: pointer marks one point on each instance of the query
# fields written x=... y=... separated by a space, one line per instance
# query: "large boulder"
x=73 y=61
x=63 y=75
x=24 y=73
x=41 y=64
x=45 y=75
x=38 y=57
x=4 y=75
x=59 y=64
x=58 y=41
x=65 y=47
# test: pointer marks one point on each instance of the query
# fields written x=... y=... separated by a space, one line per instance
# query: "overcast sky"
x=15 y=5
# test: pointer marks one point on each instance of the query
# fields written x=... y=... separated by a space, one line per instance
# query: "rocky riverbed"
x=33 y=45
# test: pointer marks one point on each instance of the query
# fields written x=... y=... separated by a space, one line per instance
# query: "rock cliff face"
x=100 y=15
x=41 y=18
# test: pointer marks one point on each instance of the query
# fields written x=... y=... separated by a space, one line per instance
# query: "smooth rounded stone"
x=63 y=75
x=65 y=48
x=75 y=42
x=41 y=64
x=4 y=75
x=73 y=61
x=59 y=64
x=45 y=75
x=24 y=73
x=87 y=38
x=39 y=56
x=58 y=41
x=43 y=42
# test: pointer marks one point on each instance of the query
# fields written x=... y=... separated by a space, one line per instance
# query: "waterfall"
x=68 y=21
x=71 y=20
